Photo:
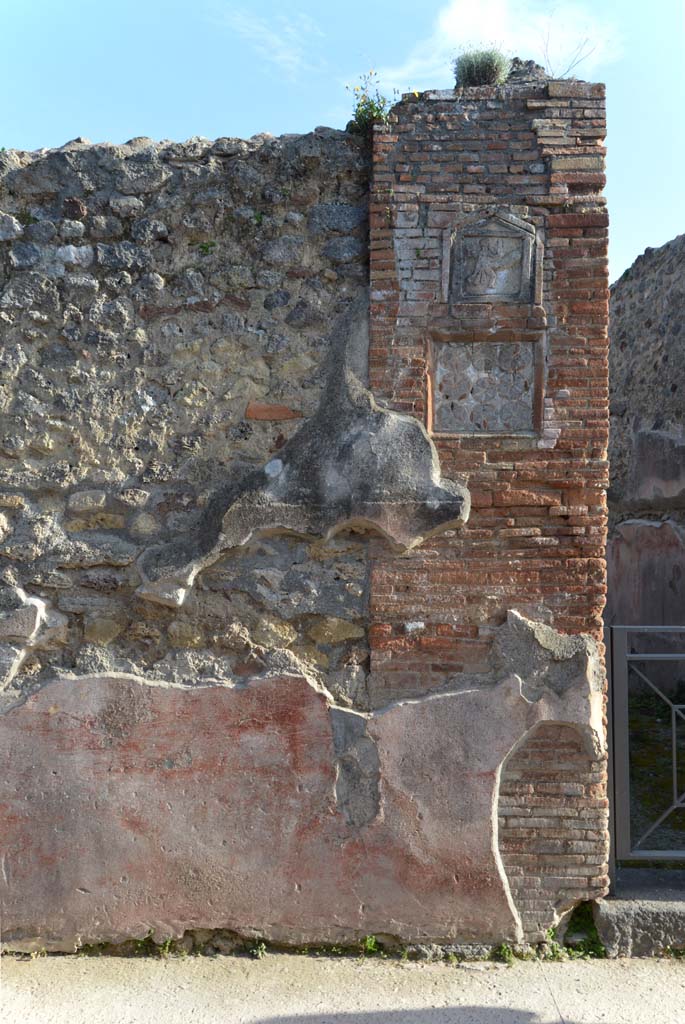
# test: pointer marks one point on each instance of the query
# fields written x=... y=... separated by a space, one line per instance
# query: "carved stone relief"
x=493 y=260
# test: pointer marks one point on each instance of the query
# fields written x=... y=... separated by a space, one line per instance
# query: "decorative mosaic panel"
x=485 y=386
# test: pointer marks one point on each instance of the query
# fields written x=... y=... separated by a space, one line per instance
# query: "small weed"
x=145 y=946
x=258 y=951
x=370 y=946
x=90 y=950
x=35 y=954
x=481 y=67
x=582 y=923
x=404 y=955
x=370 y=106
x=552 y=950
x=503 y=954
x=206 y=247
x=165 y=948
x=677 y=952
x=26 y=218
x=258 y=218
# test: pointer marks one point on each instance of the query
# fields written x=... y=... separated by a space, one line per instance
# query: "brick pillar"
x=489 y=310
x=489 y=323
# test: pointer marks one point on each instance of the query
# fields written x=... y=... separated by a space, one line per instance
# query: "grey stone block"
x=640 y=927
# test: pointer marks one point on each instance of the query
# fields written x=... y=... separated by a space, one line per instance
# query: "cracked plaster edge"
x=594 y=741
x=591 y=729
x=495 y=850
x=93 y=678
x=318 y=687
x=220 y=684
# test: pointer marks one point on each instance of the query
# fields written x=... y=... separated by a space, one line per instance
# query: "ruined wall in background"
x=646 y=550
x=302 y=590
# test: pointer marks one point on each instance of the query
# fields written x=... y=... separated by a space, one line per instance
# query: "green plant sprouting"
x=588 y=945
x=370 y=106
x=504 y=954
x=481 y=67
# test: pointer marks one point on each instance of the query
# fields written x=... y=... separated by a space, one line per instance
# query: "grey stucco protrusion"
x=353 y=464
x=544 y=658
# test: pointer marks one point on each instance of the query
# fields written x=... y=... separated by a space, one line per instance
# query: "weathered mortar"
x=212 y=526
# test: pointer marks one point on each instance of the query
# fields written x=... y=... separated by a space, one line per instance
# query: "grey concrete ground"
x=301 y=990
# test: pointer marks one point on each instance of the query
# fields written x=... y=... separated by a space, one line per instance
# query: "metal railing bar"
x=673 y=807
x=655 y=657
x=674 y=755
x=653 y=686
x=656 y=855
x=621 y=751
x=651 y=629
x=611 y=784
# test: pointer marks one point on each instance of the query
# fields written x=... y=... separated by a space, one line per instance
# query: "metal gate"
x=647 y=737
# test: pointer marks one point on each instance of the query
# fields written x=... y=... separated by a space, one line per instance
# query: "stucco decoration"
x=353 y=464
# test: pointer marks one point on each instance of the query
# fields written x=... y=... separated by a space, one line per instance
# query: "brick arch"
x=553 y=819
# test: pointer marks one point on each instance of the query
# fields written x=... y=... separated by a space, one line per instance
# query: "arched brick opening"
x=553 y=816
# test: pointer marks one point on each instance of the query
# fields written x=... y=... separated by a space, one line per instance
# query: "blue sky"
x=110 y=70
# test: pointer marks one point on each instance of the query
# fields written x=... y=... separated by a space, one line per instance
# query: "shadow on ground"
x=437 y=1015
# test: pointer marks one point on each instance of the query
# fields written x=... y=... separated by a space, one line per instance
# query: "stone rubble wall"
x=300 y=640
x=646 y=550
x=166 y=313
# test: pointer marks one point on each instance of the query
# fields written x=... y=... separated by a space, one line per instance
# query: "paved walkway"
x=301 y=990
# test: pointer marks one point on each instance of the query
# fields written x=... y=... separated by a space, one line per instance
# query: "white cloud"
x=531 y=29
x=284 y=41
